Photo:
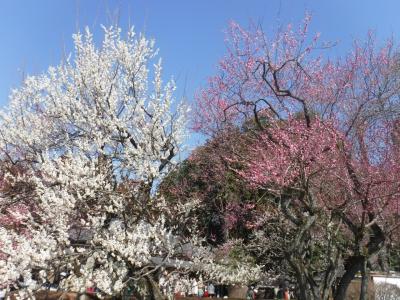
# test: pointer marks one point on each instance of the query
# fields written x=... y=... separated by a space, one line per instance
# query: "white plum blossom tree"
x=83 y=147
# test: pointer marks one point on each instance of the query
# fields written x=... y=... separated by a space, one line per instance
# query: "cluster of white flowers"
x=224 y=272
x=20 y=253
x=225 y=269
x=91 y=138
x=82 y=133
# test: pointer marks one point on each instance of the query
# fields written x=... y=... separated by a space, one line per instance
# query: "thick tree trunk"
x=154 y=288
x=329 y=277
x=300 y=279
x=303 y=295
x=364 y=281
x=352 y=266
x=308 y=287
x=356 y=263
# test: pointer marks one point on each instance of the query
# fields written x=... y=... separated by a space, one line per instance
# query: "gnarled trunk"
x=364 y=281
x=352 y=266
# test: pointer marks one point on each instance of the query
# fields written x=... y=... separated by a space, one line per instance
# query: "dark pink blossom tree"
x=324 y=146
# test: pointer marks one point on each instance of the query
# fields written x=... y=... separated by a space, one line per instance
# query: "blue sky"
x=189 y=33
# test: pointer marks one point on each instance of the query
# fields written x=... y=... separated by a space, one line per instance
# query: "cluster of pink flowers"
x=240 y=215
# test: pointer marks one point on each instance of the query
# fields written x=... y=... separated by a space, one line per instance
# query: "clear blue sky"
x=189 y=33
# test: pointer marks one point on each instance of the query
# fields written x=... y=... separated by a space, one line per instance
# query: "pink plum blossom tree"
x=323 y=146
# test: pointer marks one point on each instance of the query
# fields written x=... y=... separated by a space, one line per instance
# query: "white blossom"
x=84 y=146
x=92 y=136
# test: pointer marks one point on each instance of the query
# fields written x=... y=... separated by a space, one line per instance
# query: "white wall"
x=390 y=280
